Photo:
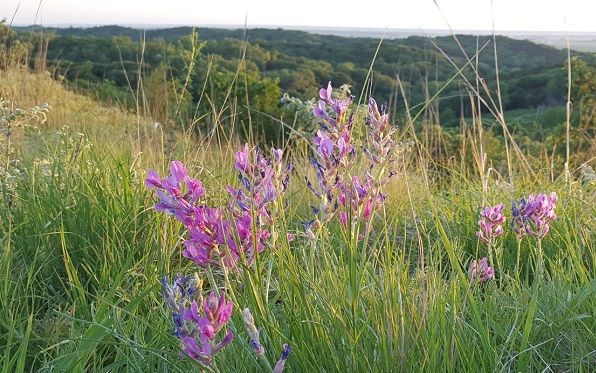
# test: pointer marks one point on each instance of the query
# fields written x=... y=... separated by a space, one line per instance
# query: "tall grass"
x=83 y=252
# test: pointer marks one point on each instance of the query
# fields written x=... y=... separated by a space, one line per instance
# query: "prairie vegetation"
x=382 y=276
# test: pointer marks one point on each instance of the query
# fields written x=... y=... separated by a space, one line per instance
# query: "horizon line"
x=157 y=26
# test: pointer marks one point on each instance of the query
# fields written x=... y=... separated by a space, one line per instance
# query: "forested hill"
x=532 y=75
x=514 y=54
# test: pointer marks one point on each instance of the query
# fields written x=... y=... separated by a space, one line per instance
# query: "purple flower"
x=198 y=342
x=178 y=291
x=481 y=271
x=333 y=162
x=532 y=215
x=253 y=206
x=207 y=231
x=177 y=193
x=281 y=363
x=253 y=333
x=490 y=223
x=340 y=106
x=178 y=171
x=277 y=155
x=176 y=296
x=360 y=200
x=380 y=144
x=205 y=351
x=325 y=94
x=324 y=144
x=211 y=237
x=242 y=162
x=217 y=312
x=334 y=152
x=321 y=110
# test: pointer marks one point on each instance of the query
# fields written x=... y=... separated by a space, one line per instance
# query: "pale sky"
x=509 y=15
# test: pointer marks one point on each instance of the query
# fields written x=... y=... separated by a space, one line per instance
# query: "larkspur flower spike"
x=491 y=223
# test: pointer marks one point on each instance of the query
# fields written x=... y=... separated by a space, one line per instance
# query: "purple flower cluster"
x=213 y=239
x=197 y=327
x=338 y=105
x=262 y=182
x=532 y=215
x=481 y=271
x=356 y=198
x=207 y=232
x=178 y=193
x=491 y=223
x=359 y=199
x=334 y=152
x=217 y=236
x=380 y=144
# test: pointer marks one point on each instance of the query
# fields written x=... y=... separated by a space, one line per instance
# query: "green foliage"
x=300 y=62
x=81 y=255
x=13 y=52
x=79 y=289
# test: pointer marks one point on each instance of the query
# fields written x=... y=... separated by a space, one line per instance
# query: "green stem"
x=265 y=362
x=212 y=280
x=522 y=363
x=517 y=268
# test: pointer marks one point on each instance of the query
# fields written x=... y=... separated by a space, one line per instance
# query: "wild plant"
x=220 y=237
x=12 y=119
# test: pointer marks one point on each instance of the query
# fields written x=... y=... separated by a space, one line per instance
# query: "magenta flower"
x=325 y=93
x=216 y=313
x=481 y=271
x=207 y=231
x=253 y=207
x=177 y=193
x=242 y=164
x=343 y=195
x=198 y=342
x=532 y=216
x=490 y=223
x=334 y=153
x=211 y=237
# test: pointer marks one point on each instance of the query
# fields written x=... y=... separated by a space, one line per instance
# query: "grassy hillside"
x=82 y=255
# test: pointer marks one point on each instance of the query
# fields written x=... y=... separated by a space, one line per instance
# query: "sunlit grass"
x=83 y=252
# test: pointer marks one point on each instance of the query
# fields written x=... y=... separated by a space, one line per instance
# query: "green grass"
x=82 y=253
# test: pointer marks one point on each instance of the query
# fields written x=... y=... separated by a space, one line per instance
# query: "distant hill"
x=298 y=62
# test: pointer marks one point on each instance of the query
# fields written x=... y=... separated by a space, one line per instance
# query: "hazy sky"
x=526 y=15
